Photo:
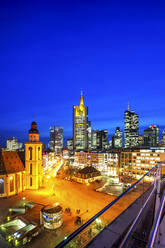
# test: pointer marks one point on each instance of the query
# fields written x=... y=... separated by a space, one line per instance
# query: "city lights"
x=98 y=221
x=52 y=164
x=82 y=128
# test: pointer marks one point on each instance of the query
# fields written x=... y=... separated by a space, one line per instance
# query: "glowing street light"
x=98 y=221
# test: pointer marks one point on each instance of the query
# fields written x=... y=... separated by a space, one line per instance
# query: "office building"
x=96 y=159
x=80 y=126
x=56 y=139
x=89 y=130
x=136 y=162
x=70 y=144
x=140 y=140
x=151 y=136
x=13 y=145
x=163 y=138
x=131 y=128
x=118 y=138
x=107 y=162
x=112 y=142
x=99 y=140
x=94 y=140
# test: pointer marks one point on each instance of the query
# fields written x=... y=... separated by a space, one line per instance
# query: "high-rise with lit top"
x=80 y=126
x=33 y=159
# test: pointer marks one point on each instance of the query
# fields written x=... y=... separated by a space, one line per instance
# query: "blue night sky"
x=113 y=50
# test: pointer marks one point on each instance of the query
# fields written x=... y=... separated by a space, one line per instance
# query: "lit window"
x=31 y=181
x=11 y=183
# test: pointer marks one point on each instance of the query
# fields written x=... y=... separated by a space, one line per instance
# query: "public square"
x=69 y=195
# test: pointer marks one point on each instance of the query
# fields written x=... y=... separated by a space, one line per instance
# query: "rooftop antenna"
x=33 y=117
x=128 y=106
x=81 y=92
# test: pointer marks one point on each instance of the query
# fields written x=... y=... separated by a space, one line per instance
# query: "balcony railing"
x=67 y=242
x=155 y=228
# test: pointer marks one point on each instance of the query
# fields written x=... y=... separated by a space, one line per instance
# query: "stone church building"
x=22 y=170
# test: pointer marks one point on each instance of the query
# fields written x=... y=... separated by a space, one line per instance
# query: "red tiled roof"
x=10 y=162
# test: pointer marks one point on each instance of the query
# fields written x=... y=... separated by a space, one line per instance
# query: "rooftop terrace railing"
x=155 y=228
x=67 y=240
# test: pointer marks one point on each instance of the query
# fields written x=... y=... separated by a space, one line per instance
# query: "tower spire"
x=81 y=99
x=128 y=105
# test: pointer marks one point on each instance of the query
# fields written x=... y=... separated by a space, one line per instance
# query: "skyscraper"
x=89 y=130
x=80 y=126
x=94 y=140
x=104 y=139
x=151 y=136
x=131 y=128
x=70 y=144
x=99 y=140
x=163 y=138
x=140 y=140
x=56 y=139
x=118 y=138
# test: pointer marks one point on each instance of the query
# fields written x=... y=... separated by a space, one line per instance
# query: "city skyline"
x=113 y=51
x=82 y=130
x=110 y=135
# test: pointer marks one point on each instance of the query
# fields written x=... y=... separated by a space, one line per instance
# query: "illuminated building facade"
x=131 y=128
x=132 y=162
x=105 y=162
x=33 y=159
x=151 y=136
x=13 y=145
x=83 y=159
x=163 y=138
x=56 y=139
x=140 y=140
x=89 y=130
x=12 y=174
x=49 y=158
x=80 y=126
x=22 y=170
x=113 y=163
x=118 y=138
x=137 y=162
x=66 y=154
x=70 y=144
x=94 y=140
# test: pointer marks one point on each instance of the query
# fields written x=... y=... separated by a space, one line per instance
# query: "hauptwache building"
x=22 y=170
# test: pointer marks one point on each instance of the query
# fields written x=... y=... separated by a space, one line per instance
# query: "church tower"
x=33 y=159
